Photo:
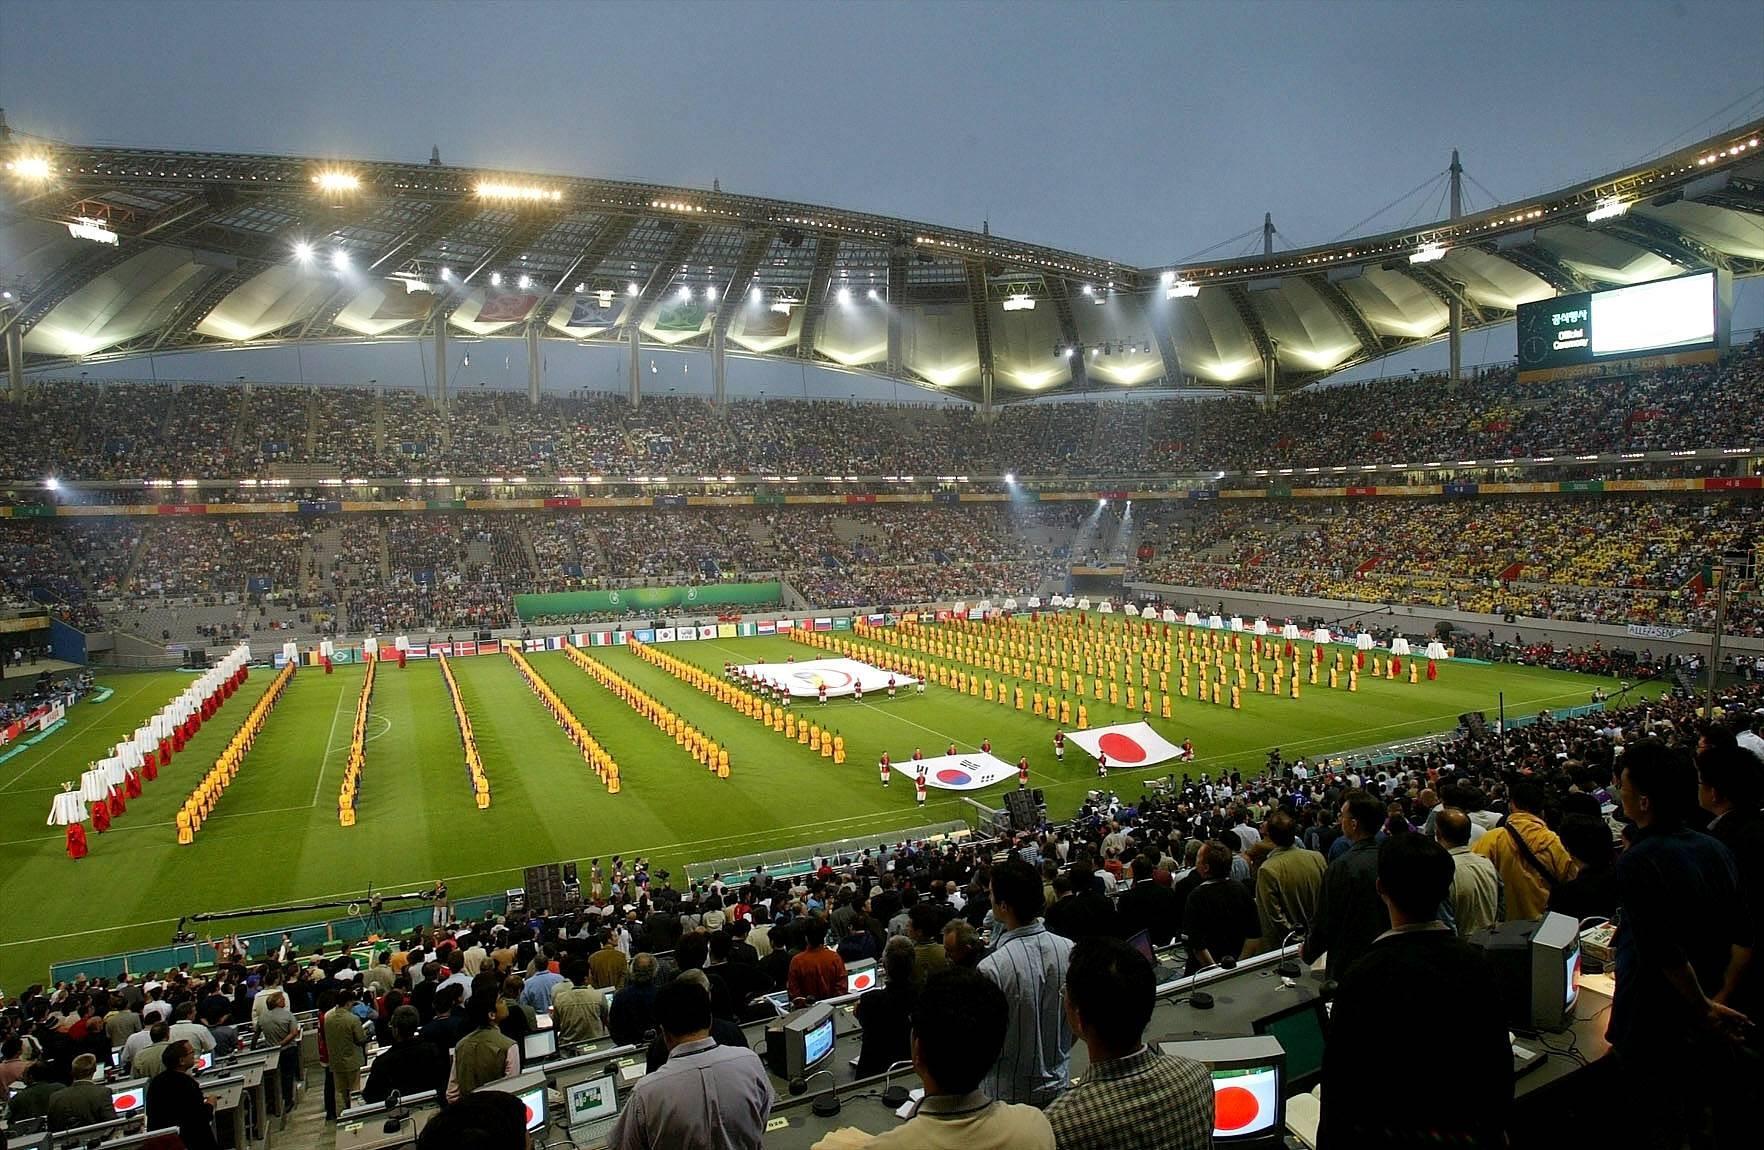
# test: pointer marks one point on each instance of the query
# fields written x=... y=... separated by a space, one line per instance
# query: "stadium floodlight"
x=495 y=279
x=1608 y=208
x=523 y=193
x=1428 y=253
x=35 y=168
x=580 y=288
x=52 y=484
x=875 y=295
x=447 y=275
x=685 y=292
x=1088 y=290
x=1010 y=478
x=710 y=293
x=5 y=294
x=1168 y=278
x=337 y=180
x=1019 y=303
x=1181 y=289
x=526 y=282
x=844 y=295
x=632 y=290
x=1066 y=353
x=1103 y=502
x=303 y=251
x=340 y=259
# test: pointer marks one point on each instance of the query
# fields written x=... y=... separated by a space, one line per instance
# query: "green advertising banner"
x=842 y=623
x=636 y=600
x=1582 y=486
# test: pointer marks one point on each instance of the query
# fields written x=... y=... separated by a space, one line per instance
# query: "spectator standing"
x=1028 y=963
x=1528 y=855
x=485 y=1054
x=1417 y=958
x=1220 y=916
x=633 y=1007
x=175 y=1100
x=885 y=1012
x=1475 y=895
x=579 y=1010
x=1289 y=884
x=1132 y=1095
x=1349 y=912
x=705 y=1096
x=410 y=1065
x=817 y=972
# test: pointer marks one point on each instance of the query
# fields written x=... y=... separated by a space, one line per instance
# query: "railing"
x=353 y=928
x=806 y=858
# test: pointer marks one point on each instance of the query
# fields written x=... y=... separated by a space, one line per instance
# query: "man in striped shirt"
x=1028 y=962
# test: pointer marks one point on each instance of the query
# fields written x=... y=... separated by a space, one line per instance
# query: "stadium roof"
x=111 y=252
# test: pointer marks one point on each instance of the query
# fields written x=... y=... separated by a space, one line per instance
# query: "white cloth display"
x=1215 y=623
x=1169 y=615
x=1320 y=635
x=1235 y=623
x=1363 y=642
x=1261 y=627
x=94 y=787
x=1399 y=646
x=1289 y=631
x=1437 y=650
x=1191 y=619
x=67 y=809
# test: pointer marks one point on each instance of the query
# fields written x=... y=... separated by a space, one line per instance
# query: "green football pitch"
x=275 y=837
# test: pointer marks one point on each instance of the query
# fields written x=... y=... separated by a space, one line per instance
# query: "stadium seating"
x=139 y=430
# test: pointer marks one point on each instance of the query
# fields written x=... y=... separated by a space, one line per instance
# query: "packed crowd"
x=136 y=430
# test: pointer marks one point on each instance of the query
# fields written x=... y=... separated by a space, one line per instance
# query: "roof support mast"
x=1455 y=306
x=1270 y=364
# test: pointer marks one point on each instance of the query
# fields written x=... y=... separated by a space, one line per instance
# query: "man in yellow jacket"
x=1531 y=860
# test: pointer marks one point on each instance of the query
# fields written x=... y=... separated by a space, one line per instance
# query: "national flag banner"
x=875 y=620
x=736 y=630
x=417 y=651
x=766 y=324
x=490 y=646
x=554 y=642
x=976 y=613
x=686 y=635
x=506 y=307
x=533 y=643
x=443 y=649
x=680 y=315
x=709 y=631
x=620 y=638
x=398 y=302
x=785 y=625
x=664 y=635
x=823 y=624
x=763 y=627
x=969 y=772
x=842 y=623
x=644 y=635
x=599 y=639
x=841 y=677
x=465 y=647
x=588 y=311
x=1126 y=745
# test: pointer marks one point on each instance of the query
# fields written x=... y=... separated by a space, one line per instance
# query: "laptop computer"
x=590 y=1109
x=1161 y=972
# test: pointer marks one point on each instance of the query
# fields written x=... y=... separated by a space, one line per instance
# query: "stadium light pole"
x=14 y=355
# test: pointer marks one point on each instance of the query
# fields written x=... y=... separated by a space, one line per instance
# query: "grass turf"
x=275 y=837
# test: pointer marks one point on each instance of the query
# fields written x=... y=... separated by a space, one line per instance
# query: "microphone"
x=826 y=1104
x=894 y=1097
x=1287 y=968
x=395 y=1113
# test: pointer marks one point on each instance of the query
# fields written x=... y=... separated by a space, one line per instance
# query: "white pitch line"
x=319 y=783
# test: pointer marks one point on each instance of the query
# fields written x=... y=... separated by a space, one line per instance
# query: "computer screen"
x=534 y=1101
x=1246 y=1102
x=817 y=1044
x=590 y=1101
x=1249 y=1101
x=545 y=1022
x=780 y=999
x=860 y=975
x=204 y=1061
x=1299 y=1030
x=1142 y=943
x=1571 y=991
x=128 y=1099
x=538 y=1046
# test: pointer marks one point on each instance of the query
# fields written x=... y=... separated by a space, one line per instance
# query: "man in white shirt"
x=187 y=1029
x=705 y=1096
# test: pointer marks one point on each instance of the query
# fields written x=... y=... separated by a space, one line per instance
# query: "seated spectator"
x=1132 y=1095
x=82 y=1103
x=1418 y=958
x=41 y=1086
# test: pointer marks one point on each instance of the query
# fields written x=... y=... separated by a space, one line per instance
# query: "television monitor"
x=800 y=1042
x=546 y=1022
x=530 y=1089
x=534 y=1101
x=537 y=1046
x=591 y=1100
x=1536 y=964
x=1249 y=1101
x=126 y=1099
x=860 y=975
x=1299 y=1029
x=1142 y=943
x=204 y=1062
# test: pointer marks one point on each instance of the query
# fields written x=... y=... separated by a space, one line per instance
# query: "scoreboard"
x=1661 y=322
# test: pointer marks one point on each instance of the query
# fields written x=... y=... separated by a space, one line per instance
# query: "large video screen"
x=1661 y=316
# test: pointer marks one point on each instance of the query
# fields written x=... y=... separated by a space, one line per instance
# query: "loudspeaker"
x=1474 y=721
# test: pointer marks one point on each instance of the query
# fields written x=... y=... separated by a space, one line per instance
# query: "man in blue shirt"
x=1028 y=962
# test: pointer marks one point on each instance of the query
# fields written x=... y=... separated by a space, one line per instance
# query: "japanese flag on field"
x=1126 y=744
